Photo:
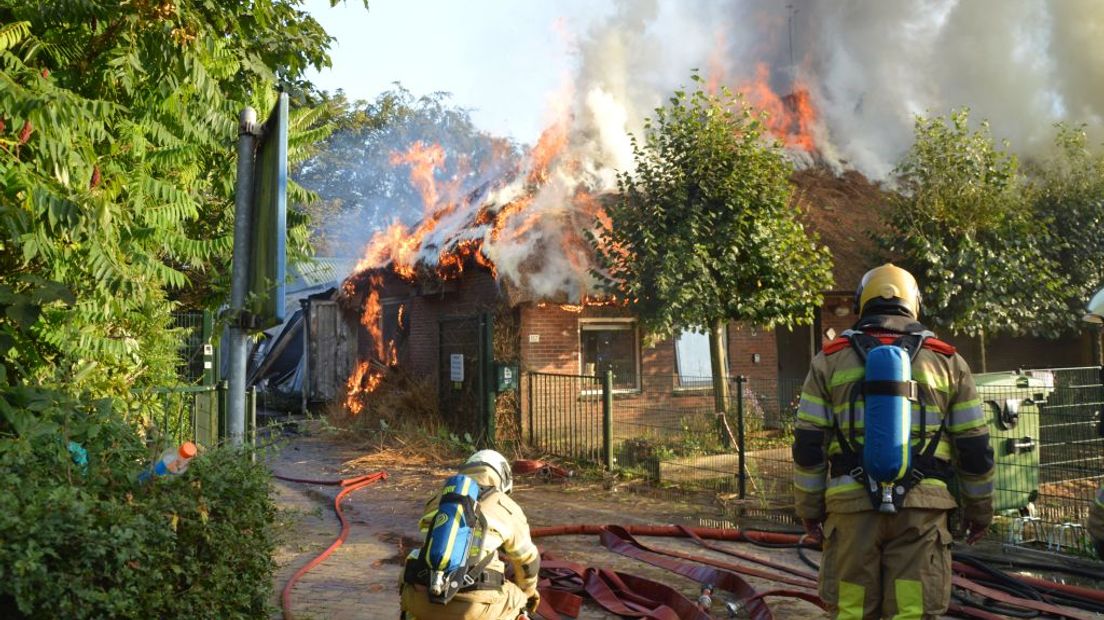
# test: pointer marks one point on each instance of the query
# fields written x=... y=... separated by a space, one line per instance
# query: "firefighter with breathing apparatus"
x=889 y=417
x=1095 y=314
x=457 y=574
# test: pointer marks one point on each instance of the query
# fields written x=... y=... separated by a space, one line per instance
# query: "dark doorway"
x=796 y=348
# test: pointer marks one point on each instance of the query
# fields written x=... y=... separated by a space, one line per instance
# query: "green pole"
x=487 y=376
x=742 y=479
x=607 y=419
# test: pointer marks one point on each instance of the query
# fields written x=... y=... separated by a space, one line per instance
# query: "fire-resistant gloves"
x=814 y=530
x=533 y=603
x=976 y=518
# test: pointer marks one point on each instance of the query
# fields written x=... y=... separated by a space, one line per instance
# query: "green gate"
x=466 y=376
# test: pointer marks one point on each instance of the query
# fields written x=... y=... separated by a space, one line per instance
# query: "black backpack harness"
x=924 y=463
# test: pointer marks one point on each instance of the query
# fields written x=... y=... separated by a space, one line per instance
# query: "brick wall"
x=474 y=292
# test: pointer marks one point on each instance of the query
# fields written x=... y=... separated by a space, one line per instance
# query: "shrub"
x=88 y=541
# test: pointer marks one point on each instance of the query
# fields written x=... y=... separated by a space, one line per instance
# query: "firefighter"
x=491 y=597
x=894 y=560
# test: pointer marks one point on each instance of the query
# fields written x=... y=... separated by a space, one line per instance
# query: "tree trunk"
x=718 y=357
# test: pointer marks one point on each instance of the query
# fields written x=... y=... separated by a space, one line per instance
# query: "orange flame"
x=424 y=160
x=370 y=318
x=364 y=380
x=790 y=118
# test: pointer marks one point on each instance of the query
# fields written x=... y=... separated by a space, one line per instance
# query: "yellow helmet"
x=888 y=286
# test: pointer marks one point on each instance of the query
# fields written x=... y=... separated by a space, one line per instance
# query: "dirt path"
x=360 y=580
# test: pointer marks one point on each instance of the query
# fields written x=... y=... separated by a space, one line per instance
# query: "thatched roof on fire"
x=844 y=210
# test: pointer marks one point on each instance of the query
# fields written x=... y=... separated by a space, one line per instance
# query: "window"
x=692 y=359
x=610 y=345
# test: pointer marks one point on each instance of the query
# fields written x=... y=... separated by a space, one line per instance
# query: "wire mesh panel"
x=1071 y=454
x=565 y=415
x=1045 y=429
x=190 y=363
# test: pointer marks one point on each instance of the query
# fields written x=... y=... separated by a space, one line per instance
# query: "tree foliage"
x=356 y=174
x=705 y=228
x=1069 y=198
x=962 y=224
x=117 y=129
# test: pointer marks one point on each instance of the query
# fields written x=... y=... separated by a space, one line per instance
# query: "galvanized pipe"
x=239 y=276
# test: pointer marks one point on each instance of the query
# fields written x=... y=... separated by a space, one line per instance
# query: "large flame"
x=789 y=118
x=529 y=228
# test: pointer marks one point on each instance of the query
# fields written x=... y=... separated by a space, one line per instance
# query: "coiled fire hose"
x=563 y=583
x=968 y=578
x=350 y=485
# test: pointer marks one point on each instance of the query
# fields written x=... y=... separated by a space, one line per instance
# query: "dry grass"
x=399 y=424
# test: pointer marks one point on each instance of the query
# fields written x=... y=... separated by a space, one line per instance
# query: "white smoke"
x=868 y=66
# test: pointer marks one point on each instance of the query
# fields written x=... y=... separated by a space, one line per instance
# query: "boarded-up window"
x=610 y=346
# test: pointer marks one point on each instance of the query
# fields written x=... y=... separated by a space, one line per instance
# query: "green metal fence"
x=173 y=415
x=1045 y=428
x=570 y=416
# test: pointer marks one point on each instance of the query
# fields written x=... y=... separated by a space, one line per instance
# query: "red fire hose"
x=619 y=540
x=631 y=596
x=350 y=485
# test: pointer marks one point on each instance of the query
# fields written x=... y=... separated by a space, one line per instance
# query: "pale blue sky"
x=501 y=58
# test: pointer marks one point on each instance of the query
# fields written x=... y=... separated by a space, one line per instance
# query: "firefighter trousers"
x=503 y=603
x=886 y=565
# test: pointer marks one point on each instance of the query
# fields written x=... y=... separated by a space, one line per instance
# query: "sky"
x=501 y=59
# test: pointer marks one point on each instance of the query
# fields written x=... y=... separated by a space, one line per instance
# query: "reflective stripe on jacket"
x=946 y=389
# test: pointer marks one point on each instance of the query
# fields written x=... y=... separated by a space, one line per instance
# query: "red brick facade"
x=549 y=341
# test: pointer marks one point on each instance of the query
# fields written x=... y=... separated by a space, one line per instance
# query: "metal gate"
x=465 y=396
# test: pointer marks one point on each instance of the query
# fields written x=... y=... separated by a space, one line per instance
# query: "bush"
x=88 y=541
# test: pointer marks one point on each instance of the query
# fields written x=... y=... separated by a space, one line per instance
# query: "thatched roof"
x=846 y=211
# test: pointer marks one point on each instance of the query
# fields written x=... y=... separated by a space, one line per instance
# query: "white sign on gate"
x=456 y=367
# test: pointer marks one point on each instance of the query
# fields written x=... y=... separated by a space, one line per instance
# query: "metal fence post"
x=529 y=404
x=607 y=419
x=742 y=477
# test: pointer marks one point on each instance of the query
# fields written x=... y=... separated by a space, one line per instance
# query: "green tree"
x=962 y=224
x=117 y=130
x=1069 y=198
x=705 y=230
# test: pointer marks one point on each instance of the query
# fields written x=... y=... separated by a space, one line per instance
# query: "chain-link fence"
x=1045 y=428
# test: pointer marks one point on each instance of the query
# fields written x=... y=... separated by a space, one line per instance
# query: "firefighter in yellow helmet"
x=489 y=596
x=887 y=546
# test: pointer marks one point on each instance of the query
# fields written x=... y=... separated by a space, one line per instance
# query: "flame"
x=364 y=380
x=370 y=318
x=424 y=160
x=790 y=118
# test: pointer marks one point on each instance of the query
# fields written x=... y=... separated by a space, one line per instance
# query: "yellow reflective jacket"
x=507 y=530
x=946 y=389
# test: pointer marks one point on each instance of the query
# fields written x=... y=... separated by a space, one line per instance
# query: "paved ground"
x=360 y=579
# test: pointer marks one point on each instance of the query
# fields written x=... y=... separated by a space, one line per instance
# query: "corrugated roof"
x=320 y=271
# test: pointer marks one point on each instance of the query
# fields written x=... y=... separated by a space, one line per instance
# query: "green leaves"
x=117 y=125
x=963 y=225
x=705 y=227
